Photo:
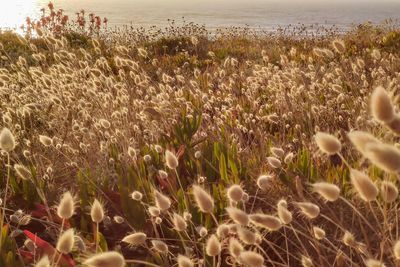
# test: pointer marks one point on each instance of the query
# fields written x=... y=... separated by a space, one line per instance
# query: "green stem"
x=183 y=191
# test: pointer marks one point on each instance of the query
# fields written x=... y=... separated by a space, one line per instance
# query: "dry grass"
x=157 y=133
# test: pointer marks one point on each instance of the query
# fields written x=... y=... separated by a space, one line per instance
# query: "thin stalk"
x=358 y=213
x=214 y=218
x=183 y=191
x=344 y=160
x=142 y=262
x=97 y=237
x=58 y=259
x=3 y=211
x=254 y=200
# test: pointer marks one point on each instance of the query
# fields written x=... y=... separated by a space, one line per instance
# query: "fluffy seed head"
x=349 y=239
x=135 y=239
x=159 y=246
x=364 y=186
x=43 y=262
x=238 y=216
x=234 y=247
x=184 y=261
x=202 y=231
x=376 y=54
x=22 y=171
x=396 y=250
x=163 y=174
x=97 y=211
x=384 y=156
x=394 y=125
x=136 y=195
x=282 y=203
x=277 y=152
x=105 y=259
x=274 y=162
x=105 y=123
x=389 y=191
x=66 y=207
x=327 y=143
x=283 y=213
x=309 y=209
x=162 y=202
x=381 y=105
x=251 y=259
x=264 y=181
x=361 y=139
x=7 y=141
x=306 y=261
x=179 y=222
x=266 y=221
x=339 y=46
x=187 y=216
x=222 y=230
x=45 y=140
x=235 y=193
x=328 y=191
x=288 y=158
x=203 y=199
x=65 y=242
x=319 y=233
x=340 y=258
x=147 y=158
x=246 y=236
x=197 y=154
x=118 y=219
x=154 y=211
x=374 y=263
x=30 y=245
x=171 y=160
x=213 y=246
x=132 y=152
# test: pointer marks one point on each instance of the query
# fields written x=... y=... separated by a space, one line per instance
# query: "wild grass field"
x=181 y=147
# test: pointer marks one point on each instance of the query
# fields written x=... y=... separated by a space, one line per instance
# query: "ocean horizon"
x=255 y=14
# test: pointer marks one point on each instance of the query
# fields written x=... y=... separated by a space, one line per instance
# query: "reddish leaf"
x=26 y=255
x=67 y=261
x=40 y=212
x=45 y=248
x=181 y=151
x=40 y=207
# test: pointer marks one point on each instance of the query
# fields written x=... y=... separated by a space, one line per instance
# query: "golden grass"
x=181 y=147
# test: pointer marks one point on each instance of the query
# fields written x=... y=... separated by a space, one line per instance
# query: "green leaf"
x=222 y=168
x=102 y=242
x=234 y=170
x=4 y=231
x=10 y=258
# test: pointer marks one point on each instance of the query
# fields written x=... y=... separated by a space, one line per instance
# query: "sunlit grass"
x=178 y=146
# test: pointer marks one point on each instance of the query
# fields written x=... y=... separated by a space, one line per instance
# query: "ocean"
x=257 y=14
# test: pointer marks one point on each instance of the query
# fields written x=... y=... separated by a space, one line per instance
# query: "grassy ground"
x=95 y=115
